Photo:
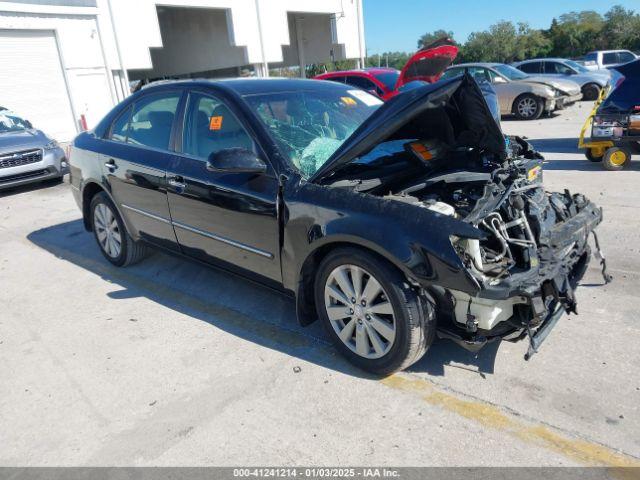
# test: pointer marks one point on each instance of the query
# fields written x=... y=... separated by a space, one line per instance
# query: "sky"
x=396 y=25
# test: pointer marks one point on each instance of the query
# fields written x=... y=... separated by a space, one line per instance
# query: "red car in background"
x=426 y=65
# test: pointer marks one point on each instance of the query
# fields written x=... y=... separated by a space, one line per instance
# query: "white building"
x=65 y=63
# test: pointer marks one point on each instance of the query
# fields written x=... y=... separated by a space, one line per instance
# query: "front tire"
x=375 y=319
x=110 y=233
x=590 y=91
x=616 y=158
x=528 y=107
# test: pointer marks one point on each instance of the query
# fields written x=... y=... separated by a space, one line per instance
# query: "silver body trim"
x=191 y=229
x=228 y=241
x=146 y=214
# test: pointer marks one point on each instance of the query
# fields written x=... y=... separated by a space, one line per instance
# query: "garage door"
x=32 y=83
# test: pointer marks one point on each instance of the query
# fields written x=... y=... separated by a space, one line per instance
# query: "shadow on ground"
x=30 y=187
x=231 y=303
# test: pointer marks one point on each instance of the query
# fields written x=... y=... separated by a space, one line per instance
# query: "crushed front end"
x=535 y=252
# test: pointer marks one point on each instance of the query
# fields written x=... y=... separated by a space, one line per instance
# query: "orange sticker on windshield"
x=348 y=101
x=215 y=123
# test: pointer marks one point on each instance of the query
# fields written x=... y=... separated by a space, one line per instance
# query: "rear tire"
x=591 y=91
x=528 y=107
x=111 y=234
x=591 y=156
x=616 y=158
x=378 y=322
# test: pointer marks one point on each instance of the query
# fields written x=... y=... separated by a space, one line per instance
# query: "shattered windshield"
x=10 y=122
x=310 y=125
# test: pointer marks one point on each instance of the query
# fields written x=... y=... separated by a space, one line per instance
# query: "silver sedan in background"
x=519 y=94
x=590 y=81
x=27 y=155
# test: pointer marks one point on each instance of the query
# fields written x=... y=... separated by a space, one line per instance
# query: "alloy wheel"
x=360 y=311
x=527 y=107
x=107 y=230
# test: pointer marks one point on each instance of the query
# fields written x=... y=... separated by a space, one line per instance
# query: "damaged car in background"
x=392 y=223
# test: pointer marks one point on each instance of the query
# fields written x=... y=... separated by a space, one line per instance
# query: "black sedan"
x=392 y=223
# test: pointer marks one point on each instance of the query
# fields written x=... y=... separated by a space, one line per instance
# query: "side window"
x=120 y=127
x=531 y=67
x=609 y=58
x=152 y=119
x=558 y=68
x=361 y=82
x=336 y=79
x=479 y=74
x=591 y=57
x=451 y=72
x=624 y=57
x=210 y=127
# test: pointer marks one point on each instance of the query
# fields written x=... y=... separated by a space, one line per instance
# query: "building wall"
x=98 y=38
x=138 y=27
x=82 y=60
x=194 y=39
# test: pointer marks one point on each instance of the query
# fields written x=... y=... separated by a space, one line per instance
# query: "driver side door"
x=227 y=218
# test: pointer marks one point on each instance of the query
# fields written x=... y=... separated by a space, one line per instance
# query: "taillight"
x=619 y=81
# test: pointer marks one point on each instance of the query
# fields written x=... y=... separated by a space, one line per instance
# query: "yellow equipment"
x=594 y=150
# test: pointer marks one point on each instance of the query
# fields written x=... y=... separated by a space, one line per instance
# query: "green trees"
x=570 y=35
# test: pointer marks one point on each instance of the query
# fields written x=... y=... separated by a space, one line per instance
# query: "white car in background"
x=607 y=58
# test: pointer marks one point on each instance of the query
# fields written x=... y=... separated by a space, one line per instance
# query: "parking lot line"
x=491 y=416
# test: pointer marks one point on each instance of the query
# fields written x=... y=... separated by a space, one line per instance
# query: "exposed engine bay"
x=534 y=248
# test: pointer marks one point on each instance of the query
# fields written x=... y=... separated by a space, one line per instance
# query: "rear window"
x=624 y=57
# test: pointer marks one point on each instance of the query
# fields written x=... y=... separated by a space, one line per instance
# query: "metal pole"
x=265 y=65
x=115 y=38
x=360 y=32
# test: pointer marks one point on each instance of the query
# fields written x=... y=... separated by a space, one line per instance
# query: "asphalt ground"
x=172 y=363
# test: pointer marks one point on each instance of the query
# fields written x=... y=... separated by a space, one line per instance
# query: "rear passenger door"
x=135 y=161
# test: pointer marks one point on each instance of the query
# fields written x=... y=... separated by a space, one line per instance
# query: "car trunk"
x=428 y=64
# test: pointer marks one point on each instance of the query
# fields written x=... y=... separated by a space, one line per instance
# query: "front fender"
x=414 y=239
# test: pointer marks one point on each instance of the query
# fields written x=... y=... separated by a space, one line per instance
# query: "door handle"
x=111 y=164
x=177 y=182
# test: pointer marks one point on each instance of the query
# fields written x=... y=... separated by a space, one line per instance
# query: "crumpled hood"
x=22 y=140
x=567 y=86
x=467 y=120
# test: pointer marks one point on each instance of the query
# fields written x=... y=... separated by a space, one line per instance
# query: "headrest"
x=158 y=119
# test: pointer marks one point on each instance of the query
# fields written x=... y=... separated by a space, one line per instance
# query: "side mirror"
x=235 y=160
x=374 y=92
x=497 y=79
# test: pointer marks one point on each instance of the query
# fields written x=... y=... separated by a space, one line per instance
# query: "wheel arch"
x=90 y=189
x=304 y=291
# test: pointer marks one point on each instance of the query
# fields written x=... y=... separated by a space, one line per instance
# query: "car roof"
x=477 y=64
x=610 y=51
x=375 y=70
x=549 y=59
x=248 y=86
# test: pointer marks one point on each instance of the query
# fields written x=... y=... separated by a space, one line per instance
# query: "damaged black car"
x=392 y=224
